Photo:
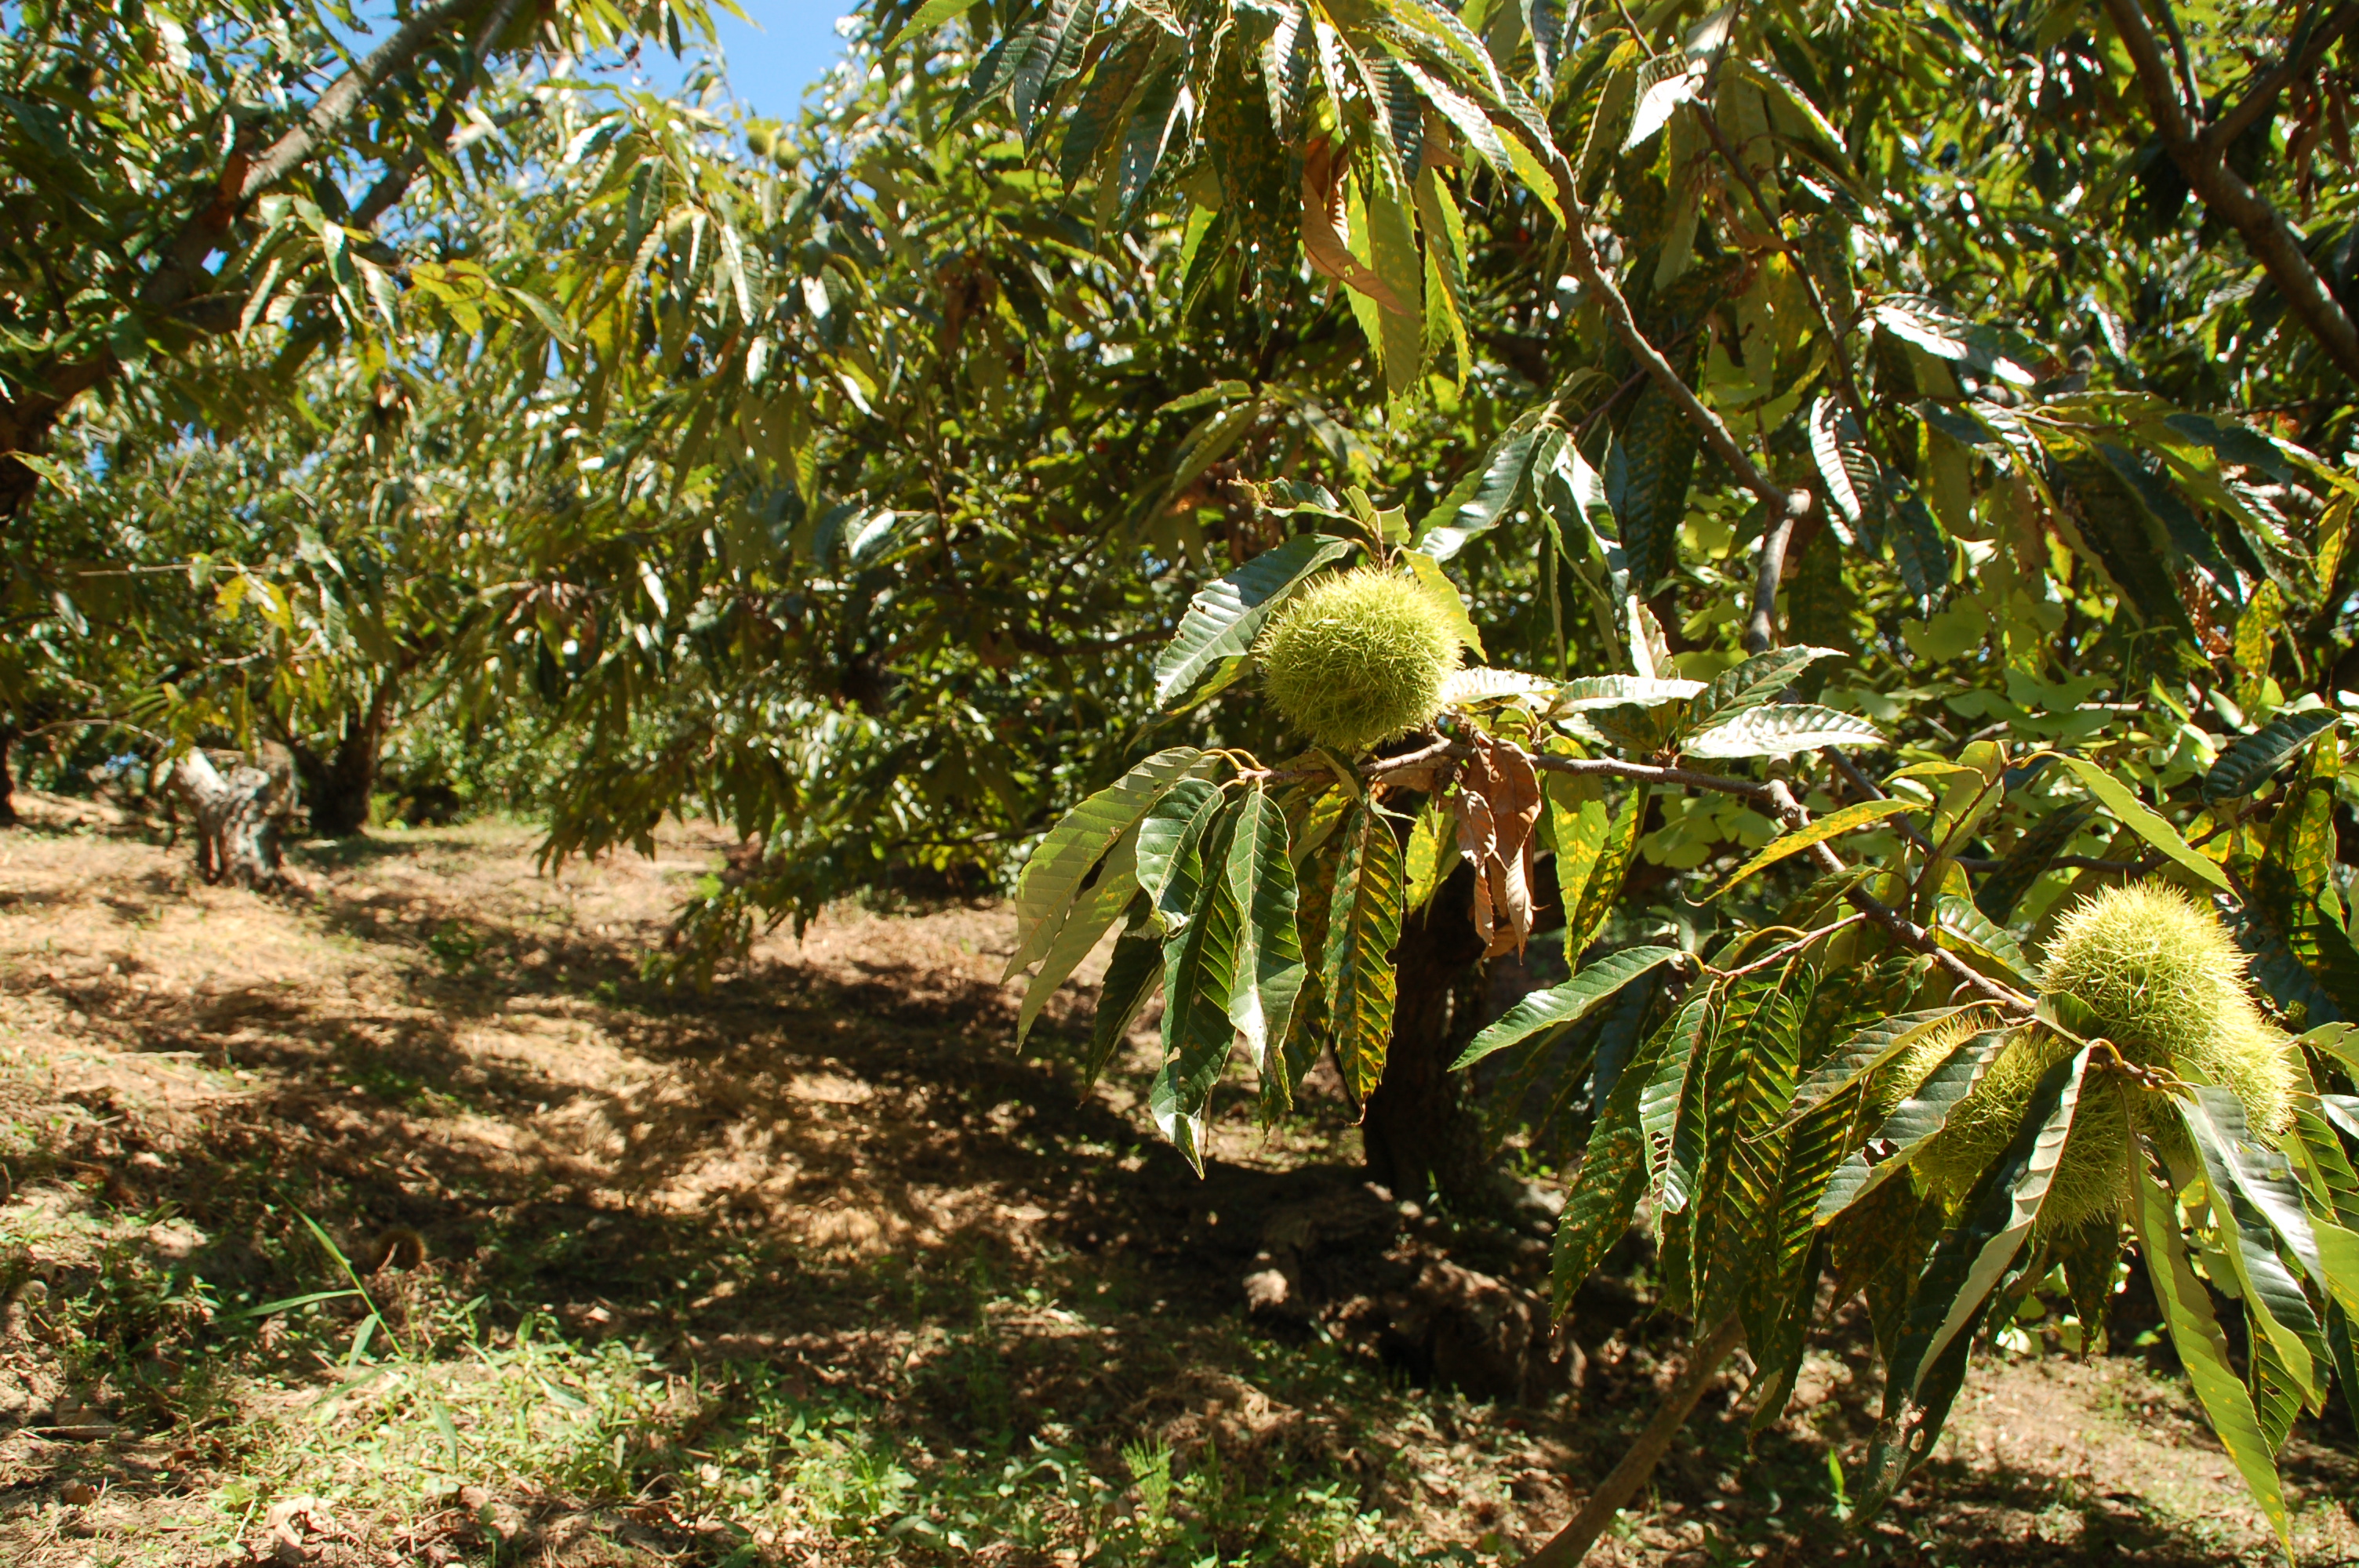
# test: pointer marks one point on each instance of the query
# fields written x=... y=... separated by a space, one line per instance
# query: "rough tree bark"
x=1420 y=1135
x=238 y=814
x=338 y=786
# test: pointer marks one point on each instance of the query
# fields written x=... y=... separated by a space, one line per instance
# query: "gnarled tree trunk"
x=338 y=788
x=238 y=813
x=1421 y=1136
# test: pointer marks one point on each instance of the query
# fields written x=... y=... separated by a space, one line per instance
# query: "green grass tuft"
x=1358 y=659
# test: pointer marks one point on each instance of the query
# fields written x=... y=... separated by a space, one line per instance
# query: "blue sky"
x=786 y=47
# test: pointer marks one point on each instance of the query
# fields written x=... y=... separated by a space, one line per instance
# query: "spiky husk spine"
x=1357 y=659
x=2158 y=976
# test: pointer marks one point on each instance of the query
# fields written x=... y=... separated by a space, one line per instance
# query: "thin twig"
x=1768 y=571
x=1572 y=1543
x=2304 y=52
x=1791 y=948
x=1593 y=276
x=2270 y=238
x=1910 y=933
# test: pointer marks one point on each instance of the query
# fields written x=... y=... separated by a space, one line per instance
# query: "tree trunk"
x=8 y=779
x=338 y=788
x=1420 y=1135
x=237 y=816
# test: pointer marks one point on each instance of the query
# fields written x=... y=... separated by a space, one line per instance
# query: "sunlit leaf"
x=1225 y=616
x=1566 y=1003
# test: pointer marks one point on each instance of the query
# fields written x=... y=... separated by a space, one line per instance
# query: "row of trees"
x=1885 y=464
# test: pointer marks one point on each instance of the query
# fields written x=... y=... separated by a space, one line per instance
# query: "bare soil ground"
x=814 y=1267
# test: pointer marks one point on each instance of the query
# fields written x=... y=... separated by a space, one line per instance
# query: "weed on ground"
x=398 y=1221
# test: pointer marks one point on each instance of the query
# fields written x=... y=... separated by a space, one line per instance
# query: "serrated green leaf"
x=1661 y=1101
x=1753 y=684
x=2262 y=1177
x=1779 y=1306
x=930 y=15
x=1601 y=889
x=1749 y=1079
x=1914 y=1122
x=1269 y=945
x=1834 y=824
x=2025 y=864
x=1919 y=549
x=1781 y=731
x=1465 y=688
x=1965 y=1271
x=1154 y=112
x=1567 y=1003
x=2271 y=1292
x=1225 y=616
x=1860 y=1055
x=1102 y=106
x=1647 y=473
x=1052 y=877
x=1363 y=924
x=2338 y=1255
x=2204 y=1349
x=1965 y=929
x=1087 y=919
x=1590 y=693
x=1169 y=868
x=1132 y=976
x=1606 y=1189
x=1063 y=27
x=2177 y=520
x=1476 y=503
x=2326 y=1173
x=2276 y=1393
x=1429 y=859
x=2139 y=818
x=2246 y=765
x=1199 y=972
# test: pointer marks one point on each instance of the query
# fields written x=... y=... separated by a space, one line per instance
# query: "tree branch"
x=1910 y=935
x=182 y=272
x=2203 y=159
x=2262 y=90
x=1768 y=571
x=1781 y=801
x=1572 y=1543
x=344 y=96
x=395 y=182
x=1716 y=433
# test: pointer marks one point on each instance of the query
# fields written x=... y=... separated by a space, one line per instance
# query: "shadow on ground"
x=827 y=1186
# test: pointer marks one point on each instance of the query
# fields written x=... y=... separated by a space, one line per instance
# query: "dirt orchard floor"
x=813 y=1268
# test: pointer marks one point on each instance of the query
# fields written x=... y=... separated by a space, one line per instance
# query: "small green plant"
x=1838 y=1488
x=455 y=943
x=1149 y=1464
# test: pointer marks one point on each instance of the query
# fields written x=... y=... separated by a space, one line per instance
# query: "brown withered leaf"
x=1322 y=227
x=1499 y=804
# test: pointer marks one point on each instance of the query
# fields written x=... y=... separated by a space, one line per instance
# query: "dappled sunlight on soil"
x=813 y=1267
